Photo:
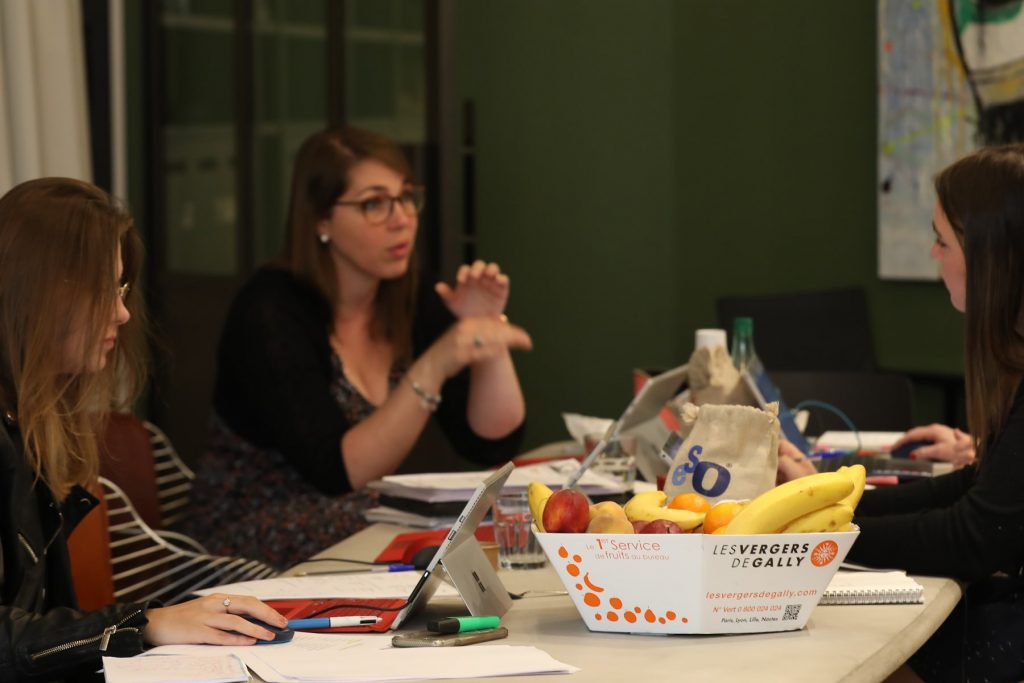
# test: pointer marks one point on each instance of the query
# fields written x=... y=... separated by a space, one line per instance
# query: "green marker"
x=462 y=624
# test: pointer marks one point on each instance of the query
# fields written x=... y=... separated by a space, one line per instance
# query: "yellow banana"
x=830 y=518
x=857 y=475
x=846 y=527
x=650 y=505
x=537 y=495
x=776 y=508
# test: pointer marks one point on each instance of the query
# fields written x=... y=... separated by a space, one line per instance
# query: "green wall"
x=637 y=160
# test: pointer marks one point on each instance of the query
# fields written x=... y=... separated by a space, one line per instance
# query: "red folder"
x=404 y=546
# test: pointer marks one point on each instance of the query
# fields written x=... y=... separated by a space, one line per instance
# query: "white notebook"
x=872 y=588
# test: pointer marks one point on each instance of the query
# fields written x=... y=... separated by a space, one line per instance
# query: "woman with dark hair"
x=332 y=360
x=71 y=339
x=969 y=524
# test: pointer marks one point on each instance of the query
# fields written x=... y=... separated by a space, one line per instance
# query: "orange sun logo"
x=824 y=553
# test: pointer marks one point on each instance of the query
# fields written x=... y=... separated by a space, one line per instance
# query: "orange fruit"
x=694 y=502
x=720 y=515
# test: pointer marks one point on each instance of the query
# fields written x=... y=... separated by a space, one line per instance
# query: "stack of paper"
x=341 y=658
x=459 y=486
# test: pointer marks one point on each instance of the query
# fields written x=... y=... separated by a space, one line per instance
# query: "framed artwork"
x=950 y=79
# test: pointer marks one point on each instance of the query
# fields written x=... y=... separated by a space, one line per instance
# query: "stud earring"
x=324 y=238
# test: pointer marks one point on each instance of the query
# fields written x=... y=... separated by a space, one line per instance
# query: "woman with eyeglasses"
x=71 y=349
x=333 y=359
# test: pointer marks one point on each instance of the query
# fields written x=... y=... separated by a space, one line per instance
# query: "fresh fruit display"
x=566 y=511
x=819 y=503
x=775 y=510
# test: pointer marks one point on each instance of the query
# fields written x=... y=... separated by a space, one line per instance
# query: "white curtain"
x=44 y=114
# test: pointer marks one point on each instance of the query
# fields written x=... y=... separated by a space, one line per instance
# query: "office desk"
x=839 y=643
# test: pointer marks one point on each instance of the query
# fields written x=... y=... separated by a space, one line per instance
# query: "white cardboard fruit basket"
x=696 y=583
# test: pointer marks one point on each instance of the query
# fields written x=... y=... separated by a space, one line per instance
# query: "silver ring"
x=226 y=603
x=478 y=341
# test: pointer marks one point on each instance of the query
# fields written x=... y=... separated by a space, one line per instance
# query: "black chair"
x=819 y=331
x=872 y=401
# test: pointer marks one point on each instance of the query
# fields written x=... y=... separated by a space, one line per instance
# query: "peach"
x=610 y=524
x=608 y=507
x=567 y=511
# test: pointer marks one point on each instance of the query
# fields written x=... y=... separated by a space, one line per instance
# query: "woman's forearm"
x=496 y=406
x=377 y=446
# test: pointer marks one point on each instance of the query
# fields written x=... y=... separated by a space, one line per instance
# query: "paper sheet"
x=361 y=658
x=321 y=586
x=869 y=441
x=202 y=668
x=455 y=486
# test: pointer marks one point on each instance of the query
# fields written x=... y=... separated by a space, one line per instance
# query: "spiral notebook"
x=872 y=588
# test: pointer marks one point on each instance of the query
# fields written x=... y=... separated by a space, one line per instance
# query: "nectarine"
x=567 y=511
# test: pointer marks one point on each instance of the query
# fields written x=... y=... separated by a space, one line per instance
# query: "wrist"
x=429 y=401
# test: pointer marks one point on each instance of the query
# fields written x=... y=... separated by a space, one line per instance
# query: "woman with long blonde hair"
x=71 y=349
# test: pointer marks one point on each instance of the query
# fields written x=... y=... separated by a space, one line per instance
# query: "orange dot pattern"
x=591 y=598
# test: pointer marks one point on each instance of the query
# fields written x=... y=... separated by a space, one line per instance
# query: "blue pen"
x=331 y=622
x=830 y=454
x=383 y=569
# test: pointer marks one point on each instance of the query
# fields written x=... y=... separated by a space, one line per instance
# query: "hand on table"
x=480 y=290
x=948 y=444
x=209 y=619
x=793 y=464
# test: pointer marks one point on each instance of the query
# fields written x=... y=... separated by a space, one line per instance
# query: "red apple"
x=638 y=526
x=662 y=526
x=567 y=511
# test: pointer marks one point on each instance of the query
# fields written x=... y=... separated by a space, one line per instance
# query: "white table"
x=839 y=643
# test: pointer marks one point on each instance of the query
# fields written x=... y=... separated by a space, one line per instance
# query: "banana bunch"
x=814 y=504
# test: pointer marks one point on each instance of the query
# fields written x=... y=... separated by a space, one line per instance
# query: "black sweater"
x=966 y=524
x=274 y=375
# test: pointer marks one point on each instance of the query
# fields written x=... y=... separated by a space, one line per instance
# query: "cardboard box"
x=696 y=583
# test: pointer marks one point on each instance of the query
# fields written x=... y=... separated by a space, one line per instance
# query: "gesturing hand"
x=481 y=290
x=474 y=340
x=209 y=619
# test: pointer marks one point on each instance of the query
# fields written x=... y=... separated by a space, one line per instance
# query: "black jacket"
x=43 y=635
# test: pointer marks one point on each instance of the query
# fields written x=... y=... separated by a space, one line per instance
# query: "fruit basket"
x=696 y=583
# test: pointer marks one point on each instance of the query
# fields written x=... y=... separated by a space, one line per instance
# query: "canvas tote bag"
x=728 y=452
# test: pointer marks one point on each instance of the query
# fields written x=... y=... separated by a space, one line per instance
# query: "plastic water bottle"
x=742 y=351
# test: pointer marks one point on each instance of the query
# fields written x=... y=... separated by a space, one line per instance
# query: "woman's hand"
x=792 y=463
x=474 y=340
x=947 y=444
x=209 y=619
x=481 y=290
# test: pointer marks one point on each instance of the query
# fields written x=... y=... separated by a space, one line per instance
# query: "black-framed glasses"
x=379 y=208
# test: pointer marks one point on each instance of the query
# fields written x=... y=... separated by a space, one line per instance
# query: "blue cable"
x=812 y=403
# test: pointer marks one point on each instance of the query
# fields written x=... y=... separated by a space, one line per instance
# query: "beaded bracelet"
x=428 y=401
